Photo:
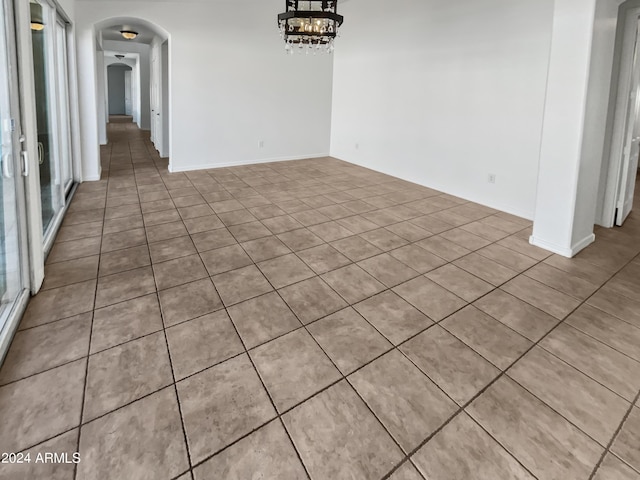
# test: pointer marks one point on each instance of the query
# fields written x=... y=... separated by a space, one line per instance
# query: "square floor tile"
x=202 y=224
x=179 y=271
x=237 y=217
x=417 y=258
x=262 y=319
x=517 y=262
x=281 y=224
x=171 y=249
x=266 y=453
x=443 y=248
x=323 y=258
x=384 y=239
x=408 y=404
x=457 y=369
x=189 y=301
x=430 y=298
x=166 y=231
x=126 y=373
x=619 y=306
x=310 y=217
x=357 y=224
x=124 y=286
x=84 y=247
x=42 y=348
x=266 y=211
x=265 y=248
x=613 y=468
x=525 y=319
x=476 y=455
x=409 y=231
x=544 y=442
x=626 y=445
x=353 y=283
x=388 y=270
x=225 y=259
x=293 y=368
x=465 y=239
x=285 y=270
x=563 y=281
x=539 y=295
x=124 y=260
x=490 y=338
x=608 y=329
x=599 y=361
x=356 y=248
x=213 y=239
x=348 y=339
x=242 y=284
x=222 y=404
x=143 y=440
x=312 y=299
x=40 y=407
x=201 y=343
x=66 y=443
x=159 y=218
x=463 y=284
x=485 y=268
x=72 y=271
x=119 y=241
x=249 y=231
x=331 y=231
x=338 y=437
x=301 y=239
x=393 y=317
x=125 y=321
x=593 y=408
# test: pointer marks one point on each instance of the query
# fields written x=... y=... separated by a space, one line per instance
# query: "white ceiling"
x=113 y=32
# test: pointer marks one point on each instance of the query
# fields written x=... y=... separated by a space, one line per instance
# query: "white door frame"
x=614 y=169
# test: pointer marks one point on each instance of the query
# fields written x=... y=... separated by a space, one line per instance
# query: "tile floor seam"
x=607 y=448
x=502 y=373
x=86 y=373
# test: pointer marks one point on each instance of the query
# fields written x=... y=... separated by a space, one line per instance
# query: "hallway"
x=315 y=319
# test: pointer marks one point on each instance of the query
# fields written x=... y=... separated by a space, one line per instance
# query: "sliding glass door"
x=49 y=40
x=13 y=277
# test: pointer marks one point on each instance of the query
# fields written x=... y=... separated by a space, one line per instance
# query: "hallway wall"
x=450 y=91
x=232 y=86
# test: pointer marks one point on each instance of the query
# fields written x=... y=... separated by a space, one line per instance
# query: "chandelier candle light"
x=310 y=25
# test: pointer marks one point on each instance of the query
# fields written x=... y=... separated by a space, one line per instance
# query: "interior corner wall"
x=445 y=94
x=144 y=71
x=235 y=96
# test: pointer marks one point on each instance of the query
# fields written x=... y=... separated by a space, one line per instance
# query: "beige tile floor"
x=314 y=319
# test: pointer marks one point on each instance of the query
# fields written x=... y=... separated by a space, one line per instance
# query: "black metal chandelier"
x=310 y=25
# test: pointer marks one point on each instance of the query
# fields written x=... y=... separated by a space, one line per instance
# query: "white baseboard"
x=528 y=215
x=192 y=168
x=568 y=252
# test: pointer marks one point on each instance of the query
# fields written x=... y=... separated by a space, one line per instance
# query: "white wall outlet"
x=492 y=178
x=261 y=144
x=357 y=146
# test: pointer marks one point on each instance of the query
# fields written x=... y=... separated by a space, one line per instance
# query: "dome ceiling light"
x=128 y=34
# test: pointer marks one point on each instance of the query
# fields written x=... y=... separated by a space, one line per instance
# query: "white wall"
x=445 y=93
x=68 y=6
x=231 y=85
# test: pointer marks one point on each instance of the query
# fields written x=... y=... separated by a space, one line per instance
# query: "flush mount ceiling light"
x=310 y=25
x=37 y=23
x=120 y=57
x=128 y=34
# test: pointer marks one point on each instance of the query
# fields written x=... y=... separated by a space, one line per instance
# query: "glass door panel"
x=12 y=280
x=64 y=117
x=42 y=34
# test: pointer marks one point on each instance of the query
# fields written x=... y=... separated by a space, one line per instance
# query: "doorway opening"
x=134 y=78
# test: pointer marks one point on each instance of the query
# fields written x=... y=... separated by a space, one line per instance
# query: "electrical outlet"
x=492 y=178
x=357 y=146
x=261 y=143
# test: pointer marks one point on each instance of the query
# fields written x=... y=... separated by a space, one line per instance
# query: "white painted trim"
x=528 y=215
x=193 y=168
x=561 y=250
x=93 y=179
